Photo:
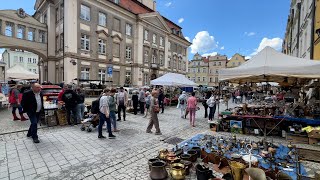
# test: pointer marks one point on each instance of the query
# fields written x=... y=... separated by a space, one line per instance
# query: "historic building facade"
x=205 y=70
x=316 y=48
x=236 y=60
x=25 y=59
x=87 y=37
x=300 y=31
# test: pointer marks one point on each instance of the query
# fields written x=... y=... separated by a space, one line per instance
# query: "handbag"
x=156 y=109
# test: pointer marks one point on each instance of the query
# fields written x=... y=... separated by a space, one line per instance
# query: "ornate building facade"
x=86 y=38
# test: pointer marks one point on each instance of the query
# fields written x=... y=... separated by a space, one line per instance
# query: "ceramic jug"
x=158 y=170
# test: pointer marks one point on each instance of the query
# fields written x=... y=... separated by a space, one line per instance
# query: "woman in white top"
x=211 y=102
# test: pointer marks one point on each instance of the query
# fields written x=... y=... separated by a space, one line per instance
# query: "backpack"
x=182 y=101
x=95 y=106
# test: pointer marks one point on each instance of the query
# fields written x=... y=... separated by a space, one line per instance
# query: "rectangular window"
x=146 y=56
x=85 y=42
x=199 y=79
x=57 y=43
x=145 y=79
x=102 y=75
x=35 y=71
x=169 y=63
x=219 y=63
x=34 y=61
x=128 y=52
x=217 y=71
x=21 y=31
x=128 y=78
x=161 y=59
x=204 y=79
x=128 y=29
x=204 y=70
x=9 y=29
x=45 y=18
x=85 y=73
x=31 y=33
x=102 y=19
x=102 y=46
x=161 y=41
x=61 y=41
x=42 y=36
x=146 y=35
x=216 y=79
x=21 y=59
x=154 y=38
x=116 y=24
x=169 y=45
x=210 y=79
x=61 y=11
x=85 y=13
x=29 y=60
x=57 y=15
x=116 y=50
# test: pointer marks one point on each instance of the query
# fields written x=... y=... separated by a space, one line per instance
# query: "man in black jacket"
x=70 y=98
x=32 y=104
x=161 y=99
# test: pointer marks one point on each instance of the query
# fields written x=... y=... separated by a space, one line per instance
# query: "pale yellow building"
x=198 y=70
x=236 y=61
x=216 y=63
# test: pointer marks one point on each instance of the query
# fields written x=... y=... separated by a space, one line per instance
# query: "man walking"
x=104 y=114
x=112 y=109
x=32 y=104
x=142 y=100
x=122 y=101
x=70 y=99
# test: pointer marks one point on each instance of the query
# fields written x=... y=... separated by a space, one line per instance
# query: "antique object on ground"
x=203 y=173
x=283 y=176
x=150 y=161
x=237 y=170
x=163 y=154
x=188 y=166
x=172 y=158
x=198 y=149
x=177 y=171
x=186 y=157
x=158 y=170
x=223 y=163
x=193 y=154
x=256 y=173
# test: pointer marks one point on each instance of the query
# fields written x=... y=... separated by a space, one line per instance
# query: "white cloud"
x=275 y=43
x=203 y=43
x=222 y=48
x=187 y=38
x=168 y=4
x=249 y=33
x=248 y=57
x=180 y=20
x=209 y=54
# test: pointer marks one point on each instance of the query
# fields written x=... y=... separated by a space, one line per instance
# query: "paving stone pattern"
x=68 y=153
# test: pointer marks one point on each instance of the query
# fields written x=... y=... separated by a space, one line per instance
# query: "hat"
x=183 y=92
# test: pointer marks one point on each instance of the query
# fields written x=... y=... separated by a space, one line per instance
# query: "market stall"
x=19 y=72
x=282 y=113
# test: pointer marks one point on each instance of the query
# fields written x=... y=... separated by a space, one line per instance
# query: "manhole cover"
x=129 y=132
x=173 y=140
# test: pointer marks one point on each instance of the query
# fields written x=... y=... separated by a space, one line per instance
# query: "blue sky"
x=218 y=26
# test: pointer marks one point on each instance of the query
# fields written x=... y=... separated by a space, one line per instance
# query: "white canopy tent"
x=173 y=79
x=19 y=72
x=270 y=65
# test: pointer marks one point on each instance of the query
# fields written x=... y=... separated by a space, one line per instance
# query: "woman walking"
x=154 y=110
x=192 y=105
x=182 y=104
x=15 y=97
x=148 y=101
x=211 y=102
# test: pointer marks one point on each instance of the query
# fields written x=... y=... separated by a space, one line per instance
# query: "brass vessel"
x=163 y=154
x=177 y=171
x=237 y=170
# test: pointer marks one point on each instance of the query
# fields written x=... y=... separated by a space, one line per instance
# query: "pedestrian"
x=211 y=102
x=161 y=100
x=154 y=110
x=148 y=102
x=15 y=97
x=70 y=99
x=80 y=106
x=65 y=87
x=122 y=102
x=206 y=96
x=142 y=100
x=104 y=115
x=135 y=102
x=32 y=104
x=182 y=104
x=192 y=105
x=113 y=109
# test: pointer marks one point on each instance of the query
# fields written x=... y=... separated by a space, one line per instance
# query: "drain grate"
x=173 y=140
x=129 y=132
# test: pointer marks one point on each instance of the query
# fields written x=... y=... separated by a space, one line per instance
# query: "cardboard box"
x=314 y=141
x=314 y=134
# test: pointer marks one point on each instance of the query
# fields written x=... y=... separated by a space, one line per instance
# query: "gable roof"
x=156 y=15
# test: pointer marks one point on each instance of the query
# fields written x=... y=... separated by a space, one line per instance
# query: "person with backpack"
x=182 y=104
x=104 y=114
x=122 y=101
x=80 y=106
x=70 y=99
x=15 y=97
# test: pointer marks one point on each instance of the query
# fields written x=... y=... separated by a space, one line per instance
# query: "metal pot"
x=203 y=173
x=198 y=149
x=188 y=166
x=163 y=154
x=150 y=161
x=193 y=154
x=158 y=170
x=178 y=171
x=186 y=157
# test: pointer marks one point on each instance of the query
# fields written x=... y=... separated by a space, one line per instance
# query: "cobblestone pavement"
x=68 y=153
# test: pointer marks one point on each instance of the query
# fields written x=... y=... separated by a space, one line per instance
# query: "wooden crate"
x=62 y=119
x=315 y=134
x=298 y=139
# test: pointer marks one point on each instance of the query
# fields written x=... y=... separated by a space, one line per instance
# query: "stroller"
x=90 y=122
